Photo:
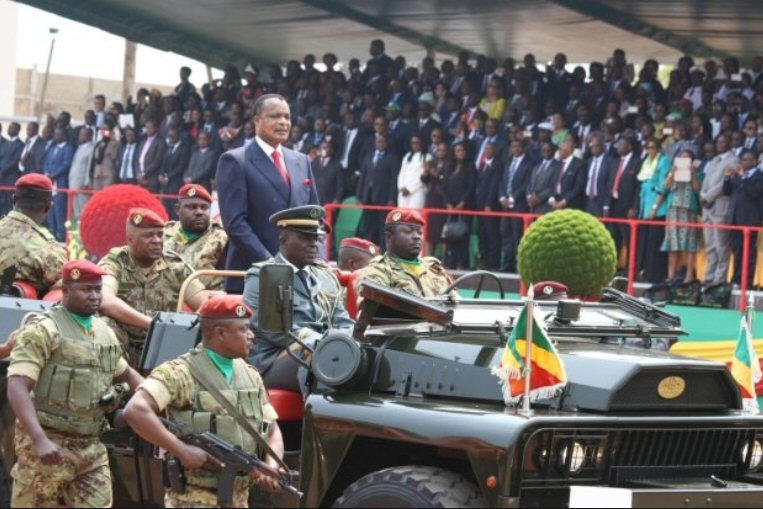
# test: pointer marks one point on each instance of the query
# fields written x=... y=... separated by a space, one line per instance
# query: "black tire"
x=411 y=486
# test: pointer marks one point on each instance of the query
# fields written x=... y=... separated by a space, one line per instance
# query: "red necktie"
x=618 y=176
x=278 y=162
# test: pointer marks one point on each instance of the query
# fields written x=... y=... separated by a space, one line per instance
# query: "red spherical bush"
x=104 y=219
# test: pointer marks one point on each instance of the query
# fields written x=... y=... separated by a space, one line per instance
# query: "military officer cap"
x=220 y=307
x=305 y=219
x=82 y=271
x=189 y=191
x=550 y=290
x=144 y=218
x=362 y=244
x=404 y=216
x=36 y=182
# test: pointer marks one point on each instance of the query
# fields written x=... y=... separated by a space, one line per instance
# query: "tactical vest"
x=78 y=373
x=208 y=415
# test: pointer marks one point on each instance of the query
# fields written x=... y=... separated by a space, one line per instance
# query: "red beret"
x=550 y=290
x=404 y=216
x=225 y=306
x=194 y=191
x=82 y=271
x=36 y=181
x=144 y=218
x=364 y=245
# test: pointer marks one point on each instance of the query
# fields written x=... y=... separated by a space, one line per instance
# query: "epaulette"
x=269 y=261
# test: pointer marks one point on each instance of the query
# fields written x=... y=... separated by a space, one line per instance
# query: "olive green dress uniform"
x=72 y=369
x=145 y=290
x=173 y=388
x=32 y=249
x=430 y=280
x=202 y=253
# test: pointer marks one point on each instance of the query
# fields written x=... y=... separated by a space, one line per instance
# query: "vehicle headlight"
x=572 y=457
x=756 y=455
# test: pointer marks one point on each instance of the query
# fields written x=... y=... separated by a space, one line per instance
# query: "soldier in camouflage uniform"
x=401 y=267
x=318 y=299
x=63 y=362
x=24 y=242
x=226 y=340
x=198 y=240
x=141 y=280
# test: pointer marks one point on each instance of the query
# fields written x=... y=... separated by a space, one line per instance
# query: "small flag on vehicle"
x=745 y=367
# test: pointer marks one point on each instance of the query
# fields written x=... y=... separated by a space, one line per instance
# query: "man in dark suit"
x=203 y=163
x=150 y=158
x=399 y=131
x=377 y=186
x=10 y=155
x=174 y=166
x=329 y=180
x=625 y=190
x=425 y=123
x=33 y=155
x=353 y=141
x=513 y=198
x=599 y=167
x=127 y=158
x=543 y=180
x=570 y=184
x=489 y=177
x=492 y=136
x=744 y=184
x=256 y=181
x=58 y=160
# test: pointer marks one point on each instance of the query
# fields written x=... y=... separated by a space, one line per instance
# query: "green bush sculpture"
x=570 y=247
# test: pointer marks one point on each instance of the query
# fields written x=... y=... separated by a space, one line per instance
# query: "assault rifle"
x=236 y=461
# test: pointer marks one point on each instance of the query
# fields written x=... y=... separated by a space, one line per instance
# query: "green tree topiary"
x=570 y=247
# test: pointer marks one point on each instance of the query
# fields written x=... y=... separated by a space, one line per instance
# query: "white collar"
x=14 y=138
x=61 y=145
x=267 y=148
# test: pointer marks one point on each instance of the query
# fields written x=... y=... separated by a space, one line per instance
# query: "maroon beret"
x=404 y=216
x=36 y=181
x=144 y=218
x=364 y=245
x=225 y=306
x=194 y=191
x=550 y=290
x=82 y=271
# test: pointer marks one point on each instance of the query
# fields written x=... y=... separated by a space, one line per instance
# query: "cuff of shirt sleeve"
x=269 y=413
x=158 y=391
x=121 y=367
x=27 y=369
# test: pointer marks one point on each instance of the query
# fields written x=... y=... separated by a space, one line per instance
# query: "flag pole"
x=750 y=311
x=526 y=410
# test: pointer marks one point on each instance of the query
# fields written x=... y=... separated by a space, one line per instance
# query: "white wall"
x=8 y=36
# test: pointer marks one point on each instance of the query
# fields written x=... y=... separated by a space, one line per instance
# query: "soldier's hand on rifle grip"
x=193 y=458
x=266 y=482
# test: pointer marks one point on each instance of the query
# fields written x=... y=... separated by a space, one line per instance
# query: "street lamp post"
x=53 y=32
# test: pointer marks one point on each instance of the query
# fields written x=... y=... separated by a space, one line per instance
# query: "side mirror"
x=276 y=305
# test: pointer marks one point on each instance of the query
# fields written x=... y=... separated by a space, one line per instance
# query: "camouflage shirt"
x=147 y=291
x=202 y=253
x=32 y=249
x=431 y=282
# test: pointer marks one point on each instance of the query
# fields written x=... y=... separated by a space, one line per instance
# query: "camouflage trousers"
x=203 y=497
x=82 y=478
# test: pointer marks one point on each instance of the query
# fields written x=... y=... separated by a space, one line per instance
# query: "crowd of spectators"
x=470 y=133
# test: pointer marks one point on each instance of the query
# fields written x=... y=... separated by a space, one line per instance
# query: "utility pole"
x=53 y=32
x=128 y=74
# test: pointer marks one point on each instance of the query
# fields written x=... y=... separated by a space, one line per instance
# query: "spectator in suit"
x=744 y=185
x=58 y=160
x=625 y=191
x=329 y=178
x=399 y=130
x=379 y=59
x=202 y=164
x=411 y=190
x=543 y=180
x=425 y=124
x=569 y=191
x=486 y=199
x=79 y=172
x=185 y=87
x=64 y=121
x=513 y=198
x=377 y=185
x=492 y=136
x=99 y=108
x=128 y=158
x=651 y=261
x=103 y=171
x=90 y=124
x=150 y=157
x=715 y=209
x=353 y=140
x=460 y=179
x=174 y=166
x=599 y=167
x=257 y=181
x=33 y=154
x=10 y=155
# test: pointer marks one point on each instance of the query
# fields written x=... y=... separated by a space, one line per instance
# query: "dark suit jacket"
x=329 y=180
x=603 y=191
x=201 y=167
x=58 y=161
x=629 y=190
x=354 y=158
x=175 y=165
x=542 y=184
x=10 y=153
x=488 y=186
x=746 y=194
x=35 y=160
x=424 y=132
x=121 y=158
x=401 y=135
x=573 y=184
x=250 y=190
x=378 y=184
x=520 y=182
x=152 y=164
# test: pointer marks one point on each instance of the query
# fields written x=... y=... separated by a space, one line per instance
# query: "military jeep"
x=408 y=414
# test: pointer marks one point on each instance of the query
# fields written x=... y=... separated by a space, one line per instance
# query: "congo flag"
x=546 y=372
x=745 y=367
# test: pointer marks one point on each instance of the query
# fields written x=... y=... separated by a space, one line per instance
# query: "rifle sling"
x=233 y=412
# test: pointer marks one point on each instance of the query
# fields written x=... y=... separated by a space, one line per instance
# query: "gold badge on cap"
x=315 y=213
x=671 y=387
x=372 y=250
x=396 y=216
x=137 y=219
x=192 y=192
x=240 y=311
x=75 y=274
